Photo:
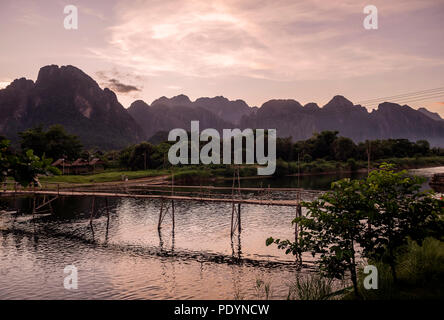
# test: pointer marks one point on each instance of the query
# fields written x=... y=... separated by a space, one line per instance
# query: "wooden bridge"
x=167 y=194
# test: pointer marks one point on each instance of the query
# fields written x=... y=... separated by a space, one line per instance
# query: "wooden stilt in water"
x=33 y=206
x=107 y=218
x=172 y=214
x=232 y=206
x=235 y=222
x=92 y=210
x=296 y=229
x=91 y=217
x=239 y=228
x=232 y=220
x=159 y=224
x=296 y=234
x=172 y=201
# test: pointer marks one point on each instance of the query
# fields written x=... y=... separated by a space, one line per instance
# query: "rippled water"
x=126 y=257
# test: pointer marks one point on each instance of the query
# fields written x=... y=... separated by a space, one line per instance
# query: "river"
x=126 y=257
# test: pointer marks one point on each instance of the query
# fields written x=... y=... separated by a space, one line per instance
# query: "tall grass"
x=263 y=289
x=310 y=287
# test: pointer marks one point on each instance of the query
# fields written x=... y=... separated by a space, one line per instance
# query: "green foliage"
x=6 y=158
x=54 y=143
x=420 y=270
x=378 y=214
x=23 y=167
x=107 y=176
x=145 y=156
x=328 y=145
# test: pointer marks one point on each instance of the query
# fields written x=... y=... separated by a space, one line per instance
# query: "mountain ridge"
x=68 y=96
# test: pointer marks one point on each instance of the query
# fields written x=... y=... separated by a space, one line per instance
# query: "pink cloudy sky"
x=254 y=50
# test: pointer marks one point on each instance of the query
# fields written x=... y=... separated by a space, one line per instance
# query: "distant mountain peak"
x=66 y=95
x=179 y=100
x=391 y=106
x=53 y=74
x=21 y=84
x=138 y=104
x=311 y=106
x=431 y=115
x=338 y=102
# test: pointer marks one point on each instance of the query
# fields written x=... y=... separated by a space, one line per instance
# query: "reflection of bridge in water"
x=168 y=194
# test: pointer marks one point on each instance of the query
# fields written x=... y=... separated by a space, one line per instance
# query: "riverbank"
x=199 y=173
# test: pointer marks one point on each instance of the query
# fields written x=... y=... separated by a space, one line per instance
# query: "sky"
x=253 y=50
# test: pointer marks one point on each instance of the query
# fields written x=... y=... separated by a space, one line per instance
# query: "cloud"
x=277 y=40
x=111 y=79
x=121 y=87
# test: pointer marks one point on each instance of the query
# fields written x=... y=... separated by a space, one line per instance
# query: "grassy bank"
x=106 y=176
x=323 y=166
x=195 y=173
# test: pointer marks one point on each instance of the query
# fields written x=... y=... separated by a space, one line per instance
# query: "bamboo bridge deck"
x=168 y=194
x=74 y=193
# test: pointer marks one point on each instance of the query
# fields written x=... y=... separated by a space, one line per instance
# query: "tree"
x=331 y=229
x=27 y=166
x=284 y=149
x=138 y=157
x=54 y=143
x=321 y=144
x=24 y=167
x=343 y=149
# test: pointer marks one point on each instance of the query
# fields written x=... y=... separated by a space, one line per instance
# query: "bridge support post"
x=159 y=224
x=296 y=230
x=91 y=217
x=107 y=218
x=172 y=214
x=92 y=210
x=239 y=228
x=33 y=205
x=172 y=200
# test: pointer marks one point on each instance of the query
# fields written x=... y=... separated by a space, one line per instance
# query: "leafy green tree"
x=320 y=145
x=54 y=143
x=27 y=166
x=343 y=149
x=138 y=157
x=23 y=168
x=284 y=149
x=331 y=229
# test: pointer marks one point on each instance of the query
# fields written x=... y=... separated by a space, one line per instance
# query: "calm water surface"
x=126 y=257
